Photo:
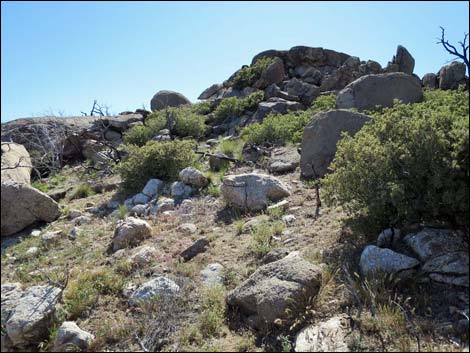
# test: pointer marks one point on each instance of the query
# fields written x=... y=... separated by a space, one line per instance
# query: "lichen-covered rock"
x=194 y=177
x=130 y=231
x=156 y=288
x=252 y=191
x=30 y=313
x=326 y=336
x=275 y=287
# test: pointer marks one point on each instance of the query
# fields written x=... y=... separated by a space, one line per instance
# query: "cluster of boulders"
x=22 y=204
x=440 y=255
x=448 y=77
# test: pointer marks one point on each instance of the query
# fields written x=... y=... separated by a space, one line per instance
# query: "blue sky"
x=60 y=56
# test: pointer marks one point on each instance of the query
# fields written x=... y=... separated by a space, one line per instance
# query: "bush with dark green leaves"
x=233 y=106
x=248 y=75
x=281 y=129
x=411 y=164
x=182 y=121
x=160 y=160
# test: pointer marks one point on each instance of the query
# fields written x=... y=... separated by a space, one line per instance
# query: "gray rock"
x=82 y=220
x=188 y=228
x=212 y=274
x=74 y=214
x=31 y=315
x=166 y=99
x=143 y=255
x=429 y=80
x=389 y=238
x=275 y=287
x=450 y=76
x=139 y=210
x=15 y=155
x=252 y=191
x=159 y=287
x=209 y=92
x=274 y=255
x=70 y=336
x=274 y=73
x=321 y=136
x=181 y=191
x=164 y=204
x=376 y=260
x=130 y=231
x=275 y=106
x=153 y=188
x=23 y=206
x=305 y=91
x=140 y=199
x=404 y=60
x=371 y=90
x=193 y=177
x=51 y=237
x=326 y=336
x=198 y=247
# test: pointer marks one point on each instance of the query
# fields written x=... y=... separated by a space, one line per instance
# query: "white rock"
x=70 y=336
x=212 y=274
x=188 y=228
x=32 y=251
x=155 y=288
x=374 y=260
x=51 y=237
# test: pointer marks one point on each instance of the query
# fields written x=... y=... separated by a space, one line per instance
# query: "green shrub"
x=213 y=312
x=281 y=129
x=248 y=75
x=183 y=122
x=411 y=165
x=231 y=148
x=202 y=108
x=40 y=185
x=81 y=191
x=233 y=106
x=161 y=160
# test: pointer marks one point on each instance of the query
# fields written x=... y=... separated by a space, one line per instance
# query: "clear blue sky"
x=60 y=56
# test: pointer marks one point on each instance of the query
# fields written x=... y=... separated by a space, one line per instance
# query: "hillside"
x=248 y=221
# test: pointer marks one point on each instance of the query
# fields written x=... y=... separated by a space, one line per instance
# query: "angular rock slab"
x=23 y=205
x=371 y=90
x=275 y=287
x=252 y=191
x=30 y=315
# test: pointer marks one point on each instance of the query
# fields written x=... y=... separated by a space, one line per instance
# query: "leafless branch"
x=451 y=49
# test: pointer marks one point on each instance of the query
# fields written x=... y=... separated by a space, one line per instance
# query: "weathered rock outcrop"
x=450 y=76
x=252 y=191
x=16 y=158
x=167 y=99
x=321 y=136
x=23 y=205
x=275 y=287
x=371 y=90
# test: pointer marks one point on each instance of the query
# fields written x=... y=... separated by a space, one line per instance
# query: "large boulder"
x=450 y=76
x=429 y=80
x=130 y=231
x=275 y=287
x=274 y=73
x=166 y=99
x=321 y=136
x=326 y=336
x=252 y=191
x=210 y=91
x=16 y=158
x=29 y=314
x=404 y=60
x=23 y=205
x=371 y=90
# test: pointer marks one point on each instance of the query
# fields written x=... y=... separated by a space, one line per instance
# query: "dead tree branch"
x=451 y=49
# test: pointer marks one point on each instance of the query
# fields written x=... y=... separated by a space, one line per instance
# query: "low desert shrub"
x=410 y=165
x=248 y=75
x=160 y=160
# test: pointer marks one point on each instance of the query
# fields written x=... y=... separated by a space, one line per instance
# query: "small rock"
x=288 y=219
x=113 y=204
x=81 y=220
x=51 y=237
x=32 y=251
x=73 y=233
x=70 y=336
x=212 y=274
x=144 y=255
x=181 y=191
x=139 y=210
x=389 y=238
x=199 y=246
x=188 y=228
x=153 y=188
x=130 y=231
x=155 y=288
x=186 y=207
x=35 y=233
x=74 y=214
x=280 y=205
x=194 y=177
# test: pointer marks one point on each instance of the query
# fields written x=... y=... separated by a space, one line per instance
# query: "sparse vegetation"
x=234 y=107
x=248 y=75
x=81 y=191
